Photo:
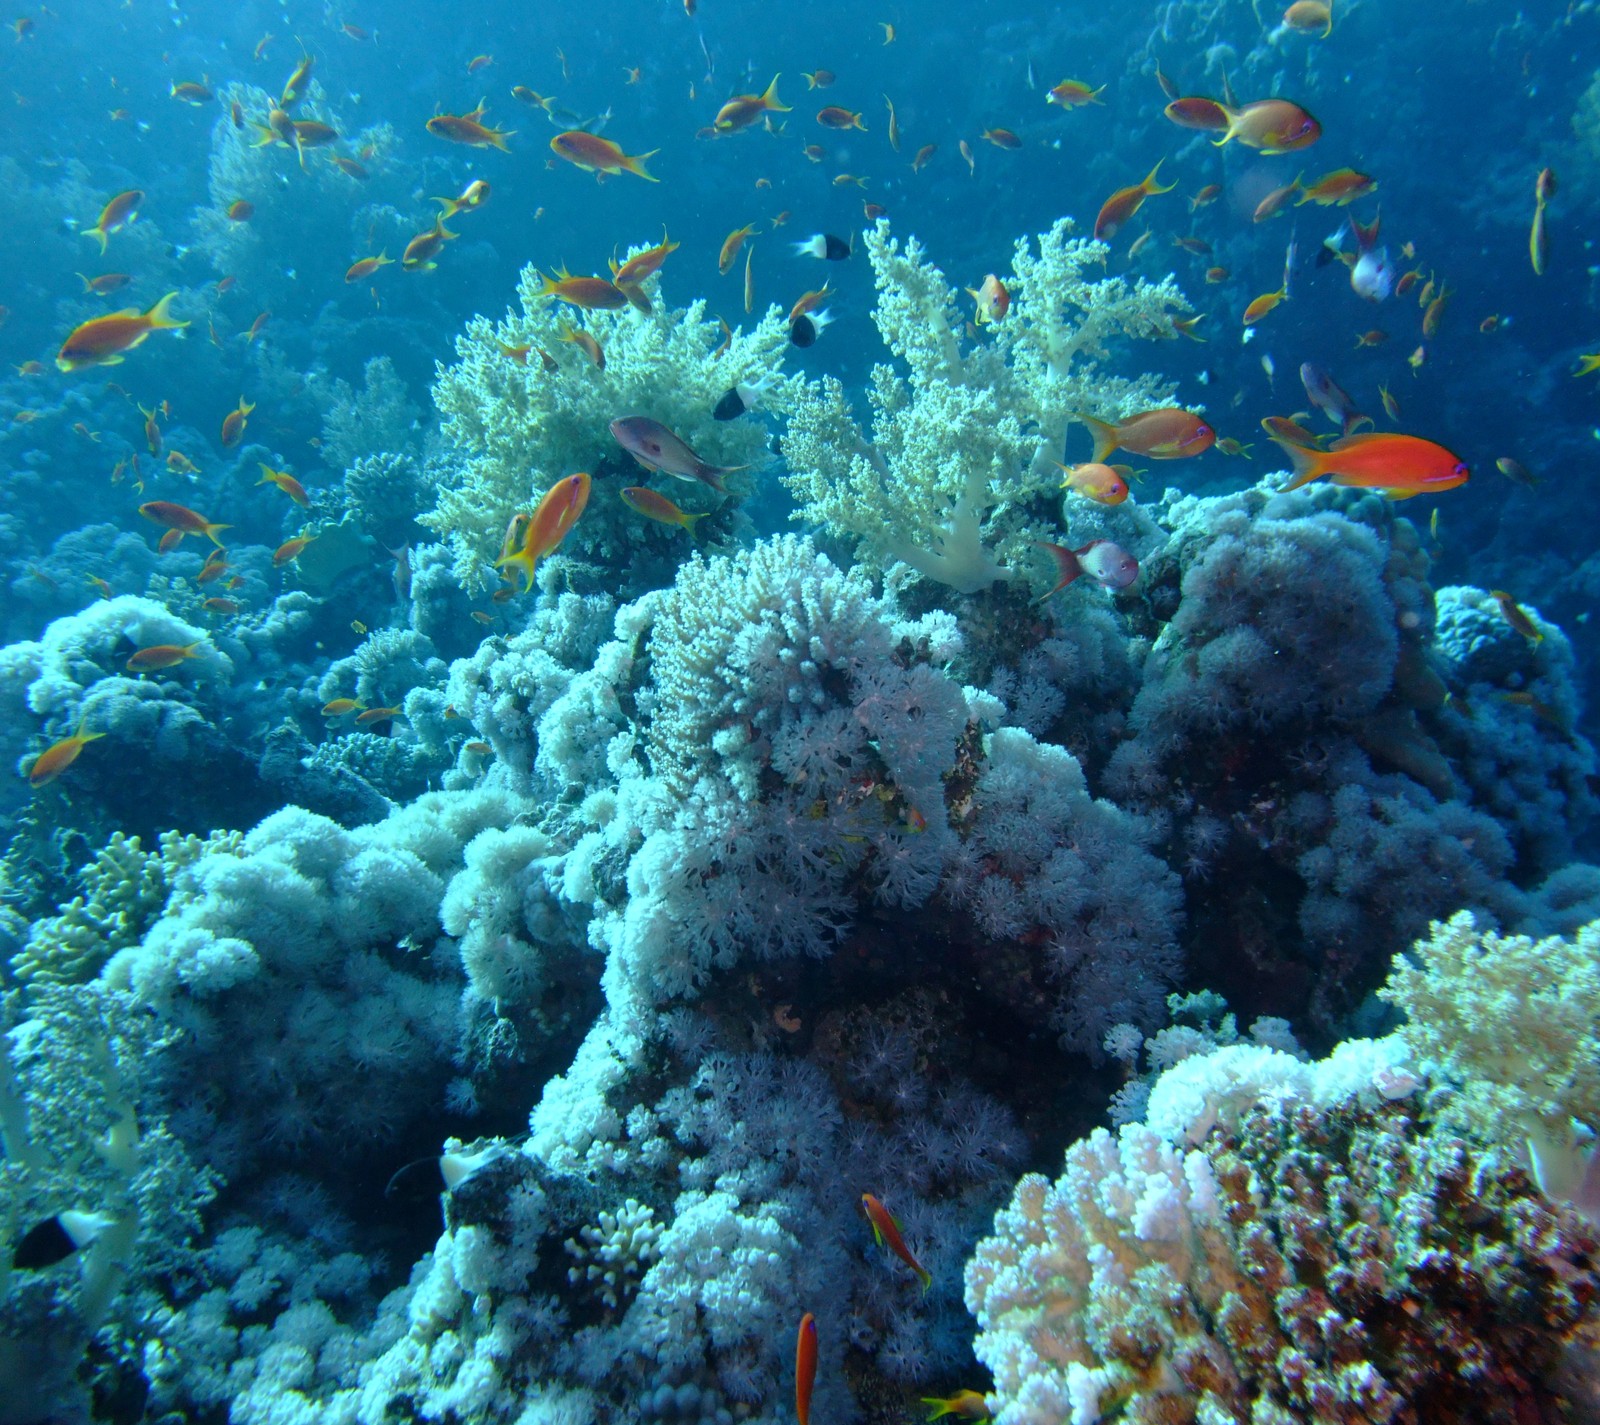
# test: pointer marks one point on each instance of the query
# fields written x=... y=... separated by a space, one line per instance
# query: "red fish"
x=1167 y=433
x=547 y=526
x=805 y=1359
x=886 y=1233
x=1125 y=202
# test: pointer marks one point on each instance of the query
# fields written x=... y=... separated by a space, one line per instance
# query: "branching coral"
x=964 y=440
x=518 y=428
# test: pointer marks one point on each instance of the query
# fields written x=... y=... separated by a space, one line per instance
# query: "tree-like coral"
x=518 y=427
x=963 y=444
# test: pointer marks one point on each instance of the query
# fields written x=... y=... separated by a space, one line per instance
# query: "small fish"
x=1190 y=243
x=645 y=501
x=101 y=587
x=186 y=91
x=1400 y=466
x=1205 y=197
x=163 y=655
x=1001 y=138
x=220 y=605
x=1309 y=15
x=804 y=331
x=1337 y=189
x=645 y=264
x=478 y=748
x=469 y=129
x=1104 y=484
x=1108 y=564
x=889 y=31
x=1167 y=86
x=833 y=117
x=285 y=482
x=255 y=327
x=241 y=211
x=818 y=79
x=886 y=1232
x=472 y=197
x=968 y=1404
x=1125 y=202
x=1275 y=201
x=923 y=155
x=1515 y=615
x=1229 y=446
x=100 y=341
x=1329 y=397
x=823 y=246
x=372 y=715
x=1166 y=433
x=1517 y=472
x=743 y=110
x=657 y=448
x=181 y=519
x=1262 y=305
x=1375 y=337
x=349 y=167
x=180 y=464
x=1491 y=323
x=1217 y=274
x=1538 y=242
x=291 y=549
x=993 y=299
x=731 y=245
x=586 y=343
x=543 y=530
x=424 y=247
x=357 y=271
x=587 y=293
x=749 y=281
x=294 y=87
x=966 y=153
x=233 y=423
x=1073 y=94
x=106 y=282
x=1140 y=243
x=58 y=756
x=1272 y=126
x=479 y=61
x=894 y=125
x=805 y=1367
x=1391 y=407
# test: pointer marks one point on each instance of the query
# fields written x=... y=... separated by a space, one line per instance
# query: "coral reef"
x=953 y=475
x=1297 y=1243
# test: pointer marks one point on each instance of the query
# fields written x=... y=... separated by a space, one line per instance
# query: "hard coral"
x=1345 y=1263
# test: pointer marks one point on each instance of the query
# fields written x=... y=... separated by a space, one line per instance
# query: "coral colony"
x=467 y=1005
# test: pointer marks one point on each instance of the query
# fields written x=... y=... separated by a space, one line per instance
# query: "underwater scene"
x=729 y=713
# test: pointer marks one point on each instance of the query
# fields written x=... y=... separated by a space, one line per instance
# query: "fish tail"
x=98 y=233
x=770 y=97
x=1067 y=565
x=1232 y=130
x=712 y=476
x=523 y=562
x=498 y=139
x=211 y=531
x=1105 y=437
x=160 y=316
x=634 y=163
x=1150 y=186
x=1309 y=464
x=450 y=206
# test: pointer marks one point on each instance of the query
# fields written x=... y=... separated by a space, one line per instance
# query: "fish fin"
x=1233 y=126
x=498 y=138
x=1151 y=187
x=211 y=532
x=1309 y=464
x=98 y=234
x=770 y=97
x=635 y=163
x=1105 y=437
x=160 y=316
x=1067 y=565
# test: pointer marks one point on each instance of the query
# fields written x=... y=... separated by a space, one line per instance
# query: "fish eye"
x=1461 y=469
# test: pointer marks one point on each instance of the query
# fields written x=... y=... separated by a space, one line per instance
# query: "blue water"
x=700 y=889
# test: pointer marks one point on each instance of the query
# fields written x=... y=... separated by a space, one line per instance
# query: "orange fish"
x=731 y=245
x=473 y=197
x=186 y=91
x=548 y=525
x=1001 y=138
x=1308 y=15
x=1073 y=94
x=180 y=464
x=295 y=86
x=1515 y=615
x=107 y=282
x=589 y=293
x=600 y=156
x=1273 y=203
x=341 y=707
x=1104 y=484
x=285 y=482
x=805 y=1367
x=833 y=117
x=993 y=299
x=101 y=341
x=367 y=266
x=643 y=265
x=525 y=95
x=1205 y=197
x=424 y=247
x=1125 y=202
x=163 y=655
x=819 y=78
x=923 y=154
x=468 y=129
x=255 y=327
x=182 y=519
x=479 y=61
x=1399 y=466
x=233 y=423
x=645 y=501
x=240 y=211
x=101 y=587
x=1262 y=305
x=968 y=1404
x=743 y=110
x=221 y=606
x=291 y=549
x=886 y=1232
x=585 y=343
x=349 y=167
x=1271 y=125
x=58 y=756
x=372 y=715
x=1167 y=433
x=1336 y=189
